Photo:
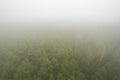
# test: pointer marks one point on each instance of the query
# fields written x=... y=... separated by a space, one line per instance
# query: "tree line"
x=60 y=59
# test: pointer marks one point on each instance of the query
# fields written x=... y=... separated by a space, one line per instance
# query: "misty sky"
x=88 y=10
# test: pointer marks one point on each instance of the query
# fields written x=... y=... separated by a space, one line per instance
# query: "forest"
x=74 y=54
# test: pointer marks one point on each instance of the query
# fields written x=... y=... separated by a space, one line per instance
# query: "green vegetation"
x=60 y=58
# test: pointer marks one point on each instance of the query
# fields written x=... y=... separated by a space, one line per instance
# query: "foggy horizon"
x=59 y=39
x=87 y=11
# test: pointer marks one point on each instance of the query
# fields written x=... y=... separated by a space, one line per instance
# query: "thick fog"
x=90 y=11
x=59 y=39
x=22 y=17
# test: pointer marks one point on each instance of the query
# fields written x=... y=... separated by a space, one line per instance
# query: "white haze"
x=67 y=11
x=77 y=18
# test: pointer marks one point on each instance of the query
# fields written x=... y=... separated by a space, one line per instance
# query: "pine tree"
x=24 y=71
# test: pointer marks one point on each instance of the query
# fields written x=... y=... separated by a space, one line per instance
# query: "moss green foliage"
x=60 y=58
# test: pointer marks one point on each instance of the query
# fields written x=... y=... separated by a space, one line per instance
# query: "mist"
x=93 y=11
x=59 y=40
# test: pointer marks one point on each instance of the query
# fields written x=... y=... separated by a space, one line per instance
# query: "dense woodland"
x=64 y=56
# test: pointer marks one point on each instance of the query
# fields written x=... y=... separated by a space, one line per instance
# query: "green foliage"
x=60 y=59
x=24 y=71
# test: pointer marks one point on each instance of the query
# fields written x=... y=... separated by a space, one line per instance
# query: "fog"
x=90 y=11
x=19 y=17
x=59 y=39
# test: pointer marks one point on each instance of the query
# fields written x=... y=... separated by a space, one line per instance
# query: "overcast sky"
x=88 y=10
